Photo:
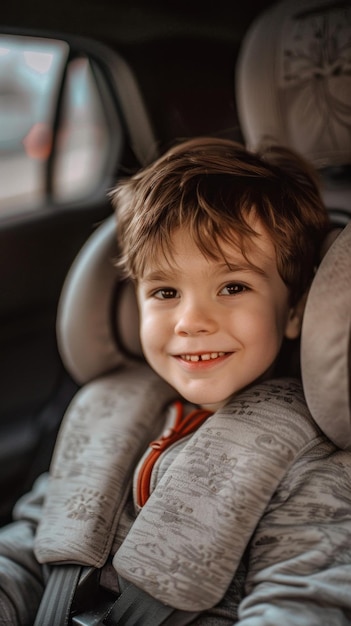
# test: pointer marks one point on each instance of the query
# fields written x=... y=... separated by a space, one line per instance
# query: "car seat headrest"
x=97 y=321
x=293 y=87
x=326 y=343
x=293 y=80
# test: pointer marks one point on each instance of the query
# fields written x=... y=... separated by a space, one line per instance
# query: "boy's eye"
x=166 y=293
x=232 y=289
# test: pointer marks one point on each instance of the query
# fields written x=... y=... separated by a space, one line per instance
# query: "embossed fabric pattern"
x=314 y=80
x=258 y=478
x=103 y=435
x=189 y=539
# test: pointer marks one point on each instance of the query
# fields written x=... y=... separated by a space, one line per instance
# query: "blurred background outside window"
x=55 y=131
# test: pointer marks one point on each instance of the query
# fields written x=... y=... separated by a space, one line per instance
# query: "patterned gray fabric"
x=296 y=570
x=189 y=539
x=299 y=567
x=21 y=576
x=286 y=49
x=106 y=429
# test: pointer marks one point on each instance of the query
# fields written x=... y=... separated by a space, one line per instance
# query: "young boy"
x=222 y=245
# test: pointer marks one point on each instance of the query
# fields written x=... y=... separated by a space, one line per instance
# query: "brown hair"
x=210 y=186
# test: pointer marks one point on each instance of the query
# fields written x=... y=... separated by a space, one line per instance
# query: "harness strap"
x=182 y=427
x=133 y=607
x=55 y=606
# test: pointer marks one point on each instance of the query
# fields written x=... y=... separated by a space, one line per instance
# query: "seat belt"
x=55 y=606
x=134 y=607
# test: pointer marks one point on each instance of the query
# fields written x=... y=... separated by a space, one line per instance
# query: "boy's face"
x=208 y=330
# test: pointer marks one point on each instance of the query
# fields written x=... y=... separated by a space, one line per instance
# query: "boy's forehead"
x=255 y=252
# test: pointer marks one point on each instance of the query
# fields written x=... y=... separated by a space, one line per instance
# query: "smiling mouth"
x=208 y=356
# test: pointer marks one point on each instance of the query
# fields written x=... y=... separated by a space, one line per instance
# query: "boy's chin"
x=208 y=402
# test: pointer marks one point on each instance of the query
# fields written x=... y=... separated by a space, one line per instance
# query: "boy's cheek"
x=149 y=331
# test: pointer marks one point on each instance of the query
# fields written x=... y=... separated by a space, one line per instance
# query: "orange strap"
x=183 y=426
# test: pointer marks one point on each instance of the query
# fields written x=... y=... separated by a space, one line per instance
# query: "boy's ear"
x=294 y=322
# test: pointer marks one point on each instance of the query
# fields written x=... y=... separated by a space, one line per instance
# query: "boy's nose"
x=195 y=319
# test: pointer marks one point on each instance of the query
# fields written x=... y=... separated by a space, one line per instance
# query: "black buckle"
x=92 y=602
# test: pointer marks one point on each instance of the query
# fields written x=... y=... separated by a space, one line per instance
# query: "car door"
x=71 y=121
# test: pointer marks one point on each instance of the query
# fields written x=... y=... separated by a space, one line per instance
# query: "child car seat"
x=104 y=337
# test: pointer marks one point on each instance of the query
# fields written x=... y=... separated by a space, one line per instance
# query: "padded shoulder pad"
x=189 y=538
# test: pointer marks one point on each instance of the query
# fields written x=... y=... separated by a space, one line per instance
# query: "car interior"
x=276 y=72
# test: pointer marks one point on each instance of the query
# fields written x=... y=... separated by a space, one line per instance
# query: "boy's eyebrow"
x=232 y=266
x=225 y=266
x=156 y=275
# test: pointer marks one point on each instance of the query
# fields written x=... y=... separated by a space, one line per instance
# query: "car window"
x=56 y=124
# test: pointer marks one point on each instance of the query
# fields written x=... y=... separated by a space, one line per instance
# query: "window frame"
x=124 y=93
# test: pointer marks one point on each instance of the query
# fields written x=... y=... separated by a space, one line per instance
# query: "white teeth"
x=202 y=357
